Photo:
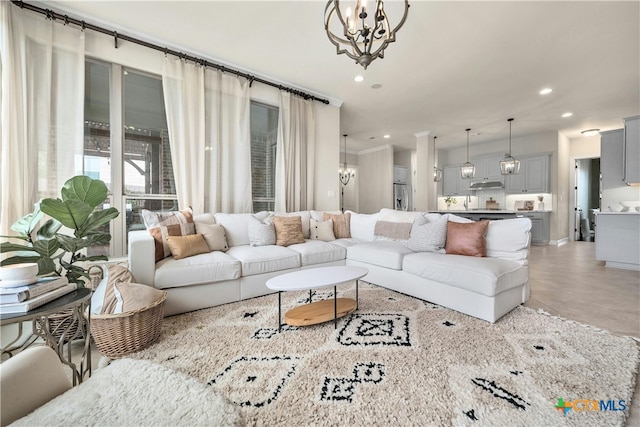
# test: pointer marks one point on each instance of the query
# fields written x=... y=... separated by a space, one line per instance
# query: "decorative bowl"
x=20 y=272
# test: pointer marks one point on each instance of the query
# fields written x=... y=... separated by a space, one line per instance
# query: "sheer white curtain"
x=183 y=87
x=295 y=154
x=42 y=109
x=228 y=140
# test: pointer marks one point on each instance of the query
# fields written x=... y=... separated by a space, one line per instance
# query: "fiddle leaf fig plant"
x=57 y=253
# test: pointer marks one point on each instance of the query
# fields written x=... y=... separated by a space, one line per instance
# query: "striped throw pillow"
x=163 y=224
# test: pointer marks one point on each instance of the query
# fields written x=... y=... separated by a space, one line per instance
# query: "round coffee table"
x=313 y=278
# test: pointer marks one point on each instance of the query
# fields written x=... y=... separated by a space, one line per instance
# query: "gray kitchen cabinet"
x=631 y=171
x=533 y=176
x=487 y=169
x=540 y=227
x=452 y=182
x=611 y=157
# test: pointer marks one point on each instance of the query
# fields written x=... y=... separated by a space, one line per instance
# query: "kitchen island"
x=617 y=239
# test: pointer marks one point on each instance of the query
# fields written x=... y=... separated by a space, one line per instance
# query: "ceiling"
x=454 y=64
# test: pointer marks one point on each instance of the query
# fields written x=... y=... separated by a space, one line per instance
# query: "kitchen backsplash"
x=505 y=201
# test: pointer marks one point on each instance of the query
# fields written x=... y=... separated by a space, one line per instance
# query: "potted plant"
x=57 y=253
x=449 y=200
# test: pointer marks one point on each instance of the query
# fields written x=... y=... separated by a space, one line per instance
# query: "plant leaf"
x=46 y=248
x=49 y=229
x=27 y=223
x=46 y=266
x=68 y=243
x=71 y=213
x=84 y=189
x=19 y=259
x=97 y=219
x=13 y=247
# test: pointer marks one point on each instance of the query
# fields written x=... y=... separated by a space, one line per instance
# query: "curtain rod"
x=50 y=14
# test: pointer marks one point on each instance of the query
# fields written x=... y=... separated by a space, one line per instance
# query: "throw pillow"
x=341 y=226
x=393 y=230
x=136 y=296
x=163 y=224
x=186 y=246
x=467 y=238
x=428 y=236
x=288 y=230
x=322 y=230
x=261 y=233
x=106 y=299
x=214 y=235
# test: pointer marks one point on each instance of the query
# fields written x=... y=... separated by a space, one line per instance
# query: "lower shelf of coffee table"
x=319 y=312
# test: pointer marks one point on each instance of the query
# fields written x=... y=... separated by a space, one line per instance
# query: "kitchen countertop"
x=487 y=211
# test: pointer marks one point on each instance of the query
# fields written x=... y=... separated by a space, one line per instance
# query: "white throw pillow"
x=322 y=230
x=261 y=233
x=363 y=226
x=428 y=236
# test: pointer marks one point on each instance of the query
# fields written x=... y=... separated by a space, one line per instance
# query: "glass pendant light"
x=509 y=165
x=437 y=173
x=468 y=170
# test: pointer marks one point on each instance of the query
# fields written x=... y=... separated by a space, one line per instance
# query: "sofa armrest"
x=29 y=380
x=142 y=261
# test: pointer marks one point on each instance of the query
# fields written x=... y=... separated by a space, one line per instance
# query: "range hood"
x=486 y=185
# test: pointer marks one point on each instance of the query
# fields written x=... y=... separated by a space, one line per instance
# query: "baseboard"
x=559 y=242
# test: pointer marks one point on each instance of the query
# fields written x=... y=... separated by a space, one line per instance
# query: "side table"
x=76 y=302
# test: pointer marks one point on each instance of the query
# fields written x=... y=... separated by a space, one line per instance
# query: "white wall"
x=375 y=170
x=101 y=47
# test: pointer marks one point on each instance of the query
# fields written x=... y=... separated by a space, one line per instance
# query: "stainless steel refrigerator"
x=402 y=197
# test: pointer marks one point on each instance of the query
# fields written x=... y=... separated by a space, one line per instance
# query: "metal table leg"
x=279 y=310
x=357 y=281
x=335 y=307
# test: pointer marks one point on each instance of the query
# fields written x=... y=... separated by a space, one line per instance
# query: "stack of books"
x=21 y=299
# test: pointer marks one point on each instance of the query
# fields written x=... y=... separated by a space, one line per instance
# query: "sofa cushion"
x=264 y=259
x=345 y=243
x=163 y=224
x=384 y=253
x=321 y=230
x=205 y=268
x=261 y=233
x=288 y=230
x=305 y=216
x=340 y=224
x=509 y=239
x=486 y=276
x=186 y=246
x=467 y=239
x=362 y=226
x=318 y=252
x=236 y=227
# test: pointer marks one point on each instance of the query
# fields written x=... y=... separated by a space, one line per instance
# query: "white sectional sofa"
x=483 y=287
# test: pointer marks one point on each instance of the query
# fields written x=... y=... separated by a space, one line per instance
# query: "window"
x=264 y=130
x=127 y=144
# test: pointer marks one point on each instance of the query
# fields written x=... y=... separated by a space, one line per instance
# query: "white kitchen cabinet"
x=631 y=172
x=487 y=169
x=533 y=176
x=540 y=227
x=611 y=157
x=617 y=239
x=452 y=182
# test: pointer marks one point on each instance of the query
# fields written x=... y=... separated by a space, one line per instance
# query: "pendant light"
x=345 y=174
x=467 y=170
x=437 y=173
x=509 y=165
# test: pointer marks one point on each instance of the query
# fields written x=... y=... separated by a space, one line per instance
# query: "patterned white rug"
x=402 y=361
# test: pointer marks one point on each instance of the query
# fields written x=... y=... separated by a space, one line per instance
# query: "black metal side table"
x=76 y=303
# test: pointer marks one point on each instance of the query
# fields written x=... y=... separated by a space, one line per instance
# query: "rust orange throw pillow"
x=467 y=238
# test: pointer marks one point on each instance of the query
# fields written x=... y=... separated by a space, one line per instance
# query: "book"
x=30 y=304
x=23 y=293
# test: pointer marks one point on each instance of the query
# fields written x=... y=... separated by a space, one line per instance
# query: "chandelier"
x=437 y=173
x=345 y=173
x=509 y=165
x=467 y=170
x=362 y=33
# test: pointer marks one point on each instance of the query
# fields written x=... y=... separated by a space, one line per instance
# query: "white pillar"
x=426 y=189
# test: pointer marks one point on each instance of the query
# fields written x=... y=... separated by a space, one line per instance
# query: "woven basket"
x=117 y=335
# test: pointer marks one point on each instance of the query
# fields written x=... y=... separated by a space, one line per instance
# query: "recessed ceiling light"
x=387 y=136
x=567 y=114
x=376 y=86
x=358 y=78
x=590 y=132
x=546 y=91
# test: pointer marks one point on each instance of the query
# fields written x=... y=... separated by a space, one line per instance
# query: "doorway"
x=587 y=198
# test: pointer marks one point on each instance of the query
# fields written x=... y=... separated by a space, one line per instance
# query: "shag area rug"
x=402 y=361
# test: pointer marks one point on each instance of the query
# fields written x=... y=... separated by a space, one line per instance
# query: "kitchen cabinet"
x=533 y=176
x=540 y=227
x=611 y=157
x=617 y=239
x=452 y=182
x=487 y=169
x=631 y=171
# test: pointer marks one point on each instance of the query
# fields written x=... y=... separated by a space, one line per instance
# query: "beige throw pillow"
x=186 y=246
x=163 y=224
x=322 y=230
x=341 y=228
x=288 y=230
x=214 y=235
x=136 y=296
